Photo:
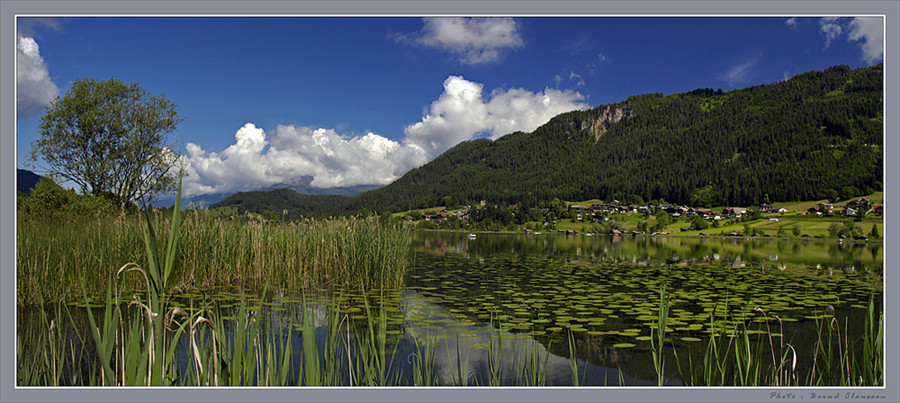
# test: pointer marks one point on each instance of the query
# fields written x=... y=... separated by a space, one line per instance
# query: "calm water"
x=606 y=291
x=520 y=296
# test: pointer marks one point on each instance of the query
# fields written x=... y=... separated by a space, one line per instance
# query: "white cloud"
x=832 y=29
x=742 y=72
x=578 y=44
x=255 y=162
x=28 y=26
x=474 y=40
x=576 y=77
x=34 y=89
x=869 y=30
x=791 y=22
x=461 y=112
x=573 y=77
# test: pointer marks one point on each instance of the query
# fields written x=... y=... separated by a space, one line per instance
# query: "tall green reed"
x=733 y=358
x=659 y=361
x=55 y=259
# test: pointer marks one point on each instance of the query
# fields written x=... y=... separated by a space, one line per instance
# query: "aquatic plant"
x=659 y=361
x=56 y=259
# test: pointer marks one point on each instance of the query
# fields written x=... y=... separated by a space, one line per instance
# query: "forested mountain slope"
x=817 y=135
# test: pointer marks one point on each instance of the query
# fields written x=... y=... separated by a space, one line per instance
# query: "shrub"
x=50 y=200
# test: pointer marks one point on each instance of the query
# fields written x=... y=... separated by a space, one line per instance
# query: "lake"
x=523 y=309
x=606 y=290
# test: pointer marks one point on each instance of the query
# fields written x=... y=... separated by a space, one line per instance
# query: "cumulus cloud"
x=870 y=31
x=257 y=160
x=34 y=89
x=463 y=112
x=474 y=40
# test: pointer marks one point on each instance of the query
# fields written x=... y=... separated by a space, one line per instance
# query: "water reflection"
x=605 y=290
x=489 y=305
x=628 y=247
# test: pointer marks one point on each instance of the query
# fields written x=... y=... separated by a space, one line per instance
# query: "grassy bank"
x=54 y=258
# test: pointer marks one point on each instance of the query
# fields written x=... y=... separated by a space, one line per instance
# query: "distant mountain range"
x=26 y=180
x=817 y=135
x=301 y=187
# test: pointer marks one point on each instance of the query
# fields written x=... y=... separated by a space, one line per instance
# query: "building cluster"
x=852 y=208
x=599 y=211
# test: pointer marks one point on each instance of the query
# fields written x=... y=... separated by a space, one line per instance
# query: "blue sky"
x=362 y=100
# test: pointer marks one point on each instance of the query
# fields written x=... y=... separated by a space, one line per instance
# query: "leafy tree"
x=703 y=196
x=749 y=231
x=643 y=226
x=848 y=192
x=874 y=234
x=834 y=230
x=832 y=195
x=450 y=202
x=662 y=220
x=109 y=138
x=797 y=229
x=751 y=215
x=698 y=223
x=852 y=229
x=50 y=200
x=47 y=196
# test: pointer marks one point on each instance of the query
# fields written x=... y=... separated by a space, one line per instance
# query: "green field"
x=767 y=226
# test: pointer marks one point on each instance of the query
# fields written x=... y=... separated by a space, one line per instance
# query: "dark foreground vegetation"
x=162 y=320
x=67 y=242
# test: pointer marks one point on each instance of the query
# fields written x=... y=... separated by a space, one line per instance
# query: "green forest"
x=818 y=135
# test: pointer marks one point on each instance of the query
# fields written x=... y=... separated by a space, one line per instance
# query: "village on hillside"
x=652 y=219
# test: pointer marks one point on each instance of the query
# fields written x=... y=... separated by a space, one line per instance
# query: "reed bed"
x=148 y=340
x=55 y=258
x=732 y=357
x=209 y=346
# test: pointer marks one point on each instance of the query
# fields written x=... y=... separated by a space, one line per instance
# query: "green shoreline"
x=680 y=234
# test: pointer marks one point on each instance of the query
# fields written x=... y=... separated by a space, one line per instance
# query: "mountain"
x=193 y=202
x=300 y=186
x=817 y=135
x=303 y=186
x=26 y=180
x=279 y=200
